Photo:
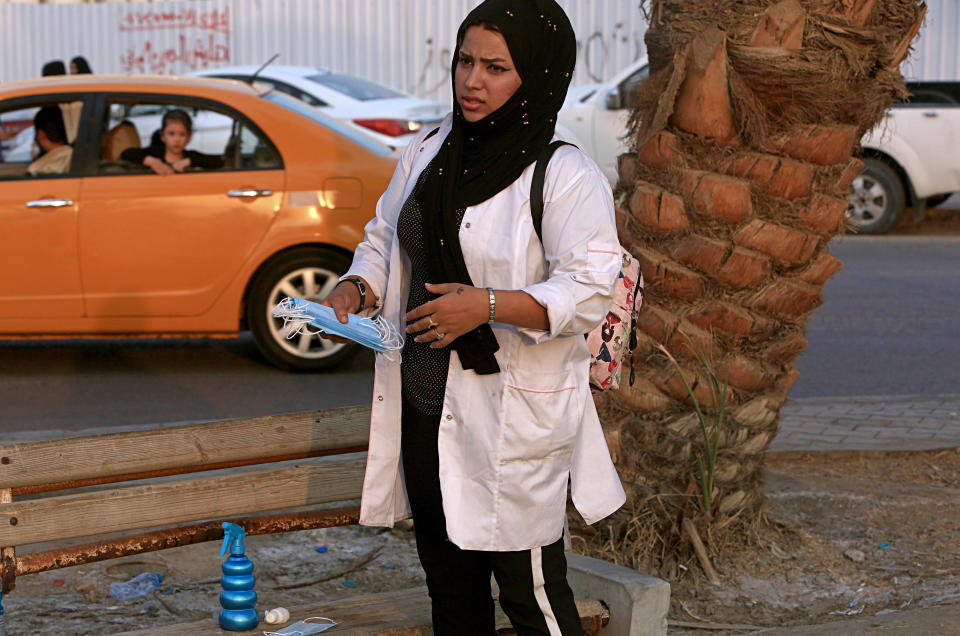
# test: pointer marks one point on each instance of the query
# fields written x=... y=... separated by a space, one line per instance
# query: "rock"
x=854 y=555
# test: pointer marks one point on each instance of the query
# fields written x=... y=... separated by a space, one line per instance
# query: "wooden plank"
x=400 y=613
x=189 y=445
x=315 y=481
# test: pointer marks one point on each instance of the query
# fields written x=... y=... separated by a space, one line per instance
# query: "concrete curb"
x=870 y=399
x=638 y=602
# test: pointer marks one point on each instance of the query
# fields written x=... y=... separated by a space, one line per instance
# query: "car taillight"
x=390 y=127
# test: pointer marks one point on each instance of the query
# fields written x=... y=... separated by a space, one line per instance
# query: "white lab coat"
x=508 y=442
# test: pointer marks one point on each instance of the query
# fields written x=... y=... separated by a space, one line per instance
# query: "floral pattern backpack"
x=616 y=337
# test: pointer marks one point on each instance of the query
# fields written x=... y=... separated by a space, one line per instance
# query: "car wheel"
x=877 y=199
x=933 y=202
x=307 y=273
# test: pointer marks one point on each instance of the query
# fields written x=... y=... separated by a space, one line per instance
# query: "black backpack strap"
x=536 y=185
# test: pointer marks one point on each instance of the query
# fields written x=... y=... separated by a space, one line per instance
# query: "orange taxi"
x=94 y=243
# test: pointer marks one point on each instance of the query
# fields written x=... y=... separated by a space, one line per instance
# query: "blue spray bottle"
x=238 y=598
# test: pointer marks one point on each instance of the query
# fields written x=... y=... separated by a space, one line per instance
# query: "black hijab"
x=479 y=159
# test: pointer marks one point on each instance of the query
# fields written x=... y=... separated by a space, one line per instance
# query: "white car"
x=910 y=158
x=595 y=117
x=389 y=116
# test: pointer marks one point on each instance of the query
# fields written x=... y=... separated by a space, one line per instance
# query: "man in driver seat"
x=51 y=138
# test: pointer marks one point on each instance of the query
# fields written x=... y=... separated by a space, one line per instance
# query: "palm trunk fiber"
x=745 y=133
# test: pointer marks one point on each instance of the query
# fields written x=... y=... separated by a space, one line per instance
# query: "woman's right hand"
x=343 y=300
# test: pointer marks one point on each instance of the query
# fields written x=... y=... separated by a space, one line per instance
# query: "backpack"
x=611 y=341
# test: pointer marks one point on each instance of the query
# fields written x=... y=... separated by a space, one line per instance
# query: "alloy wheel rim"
x=868 y=201
x=310 y=283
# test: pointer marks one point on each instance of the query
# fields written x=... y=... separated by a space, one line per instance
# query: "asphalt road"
x=83 y=384
x=888 y=327
x=890 y=322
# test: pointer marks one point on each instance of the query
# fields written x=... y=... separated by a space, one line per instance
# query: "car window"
x=631 y=86
x=293 y=91
x=290 y=90
x=308 y=98
x=42 y=151
x=314 y=115
x=932 y=94
x=139 y=135
x=355 y=87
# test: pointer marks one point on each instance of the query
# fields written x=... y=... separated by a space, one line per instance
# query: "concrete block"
x=638 y=602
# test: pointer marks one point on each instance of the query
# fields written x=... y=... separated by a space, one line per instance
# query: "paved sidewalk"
x=900 y=422
x=897 y=422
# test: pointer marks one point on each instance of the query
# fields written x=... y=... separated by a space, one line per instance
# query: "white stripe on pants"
x=540 y=592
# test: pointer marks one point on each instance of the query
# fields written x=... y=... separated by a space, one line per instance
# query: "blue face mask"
x=305 y=627
x=376 y=334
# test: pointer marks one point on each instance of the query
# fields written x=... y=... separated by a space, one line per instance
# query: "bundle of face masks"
x=299 y=314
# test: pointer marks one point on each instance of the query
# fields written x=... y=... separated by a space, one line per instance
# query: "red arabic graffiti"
x=192 y=55
x=213 y=20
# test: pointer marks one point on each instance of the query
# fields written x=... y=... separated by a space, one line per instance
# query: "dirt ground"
x=855 y=543
x=942 y=220
x=850 y=536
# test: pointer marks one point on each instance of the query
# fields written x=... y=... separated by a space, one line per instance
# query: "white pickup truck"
x=912 y=159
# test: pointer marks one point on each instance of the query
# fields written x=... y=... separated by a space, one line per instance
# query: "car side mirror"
x=613 y=100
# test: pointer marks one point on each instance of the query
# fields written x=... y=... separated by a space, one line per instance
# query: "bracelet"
x=360 y=288
x=493 y=304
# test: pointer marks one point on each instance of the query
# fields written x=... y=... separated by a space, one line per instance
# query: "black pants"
x=533 y=583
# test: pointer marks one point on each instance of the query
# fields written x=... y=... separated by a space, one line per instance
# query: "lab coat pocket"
x=542 y=411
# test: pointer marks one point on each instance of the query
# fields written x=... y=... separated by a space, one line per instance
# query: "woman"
x=478 y=427
x=80 y=66
x=171 y=155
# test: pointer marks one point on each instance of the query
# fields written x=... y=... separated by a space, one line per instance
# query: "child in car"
x=172 y=155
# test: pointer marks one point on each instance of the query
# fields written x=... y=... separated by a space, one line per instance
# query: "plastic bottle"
x=238 y=599
x=140 y=585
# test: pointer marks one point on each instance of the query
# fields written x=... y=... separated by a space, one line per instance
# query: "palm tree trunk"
x=745 y=134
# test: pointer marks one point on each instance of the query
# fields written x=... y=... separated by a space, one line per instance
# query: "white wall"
x=936 y=53
x=401 y=43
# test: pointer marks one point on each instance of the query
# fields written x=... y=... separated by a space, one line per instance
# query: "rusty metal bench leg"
x=8 y=557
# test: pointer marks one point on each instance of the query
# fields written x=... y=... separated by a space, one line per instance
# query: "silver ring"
x=432 y=324
x=440 y=336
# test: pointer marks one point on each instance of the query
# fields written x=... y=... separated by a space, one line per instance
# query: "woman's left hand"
x=459 y=309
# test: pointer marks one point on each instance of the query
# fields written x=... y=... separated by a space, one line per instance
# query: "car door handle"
x=249 y=193
x=50 y=203
x=931 y=113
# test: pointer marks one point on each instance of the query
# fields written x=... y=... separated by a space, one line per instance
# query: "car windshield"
x=302 y=108
x=359 y=89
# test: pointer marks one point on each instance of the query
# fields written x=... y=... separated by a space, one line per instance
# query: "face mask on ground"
x=305 y=627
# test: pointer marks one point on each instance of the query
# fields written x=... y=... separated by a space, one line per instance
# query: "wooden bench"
x=173 y=487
